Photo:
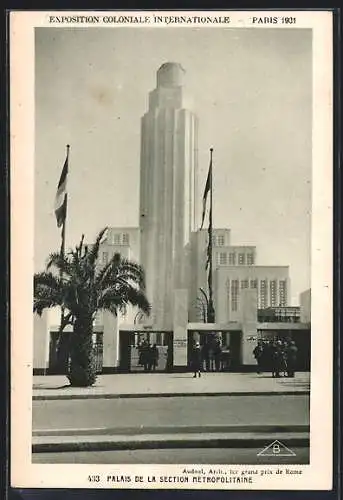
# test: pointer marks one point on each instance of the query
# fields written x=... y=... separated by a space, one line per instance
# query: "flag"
x=209 y=246
x=208 y=258
x=206 y=191
x=61 y=195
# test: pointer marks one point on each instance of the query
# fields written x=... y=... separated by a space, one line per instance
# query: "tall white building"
x=173 y=254
x=168 y=191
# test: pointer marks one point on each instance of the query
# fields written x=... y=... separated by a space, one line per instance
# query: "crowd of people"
x=276 y=357
x=212 y=356
x=148 y=356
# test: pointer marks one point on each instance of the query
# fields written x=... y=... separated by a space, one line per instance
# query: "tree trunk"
x=82 y=372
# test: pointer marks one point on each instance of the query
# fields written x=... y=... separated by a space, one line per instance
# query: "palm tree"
x=82 y=287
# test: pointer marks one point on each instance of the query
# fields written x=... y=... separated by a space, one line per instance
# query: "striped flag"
x=206 y=191
x=209 y=246
x=208 y=256
x=61 y=195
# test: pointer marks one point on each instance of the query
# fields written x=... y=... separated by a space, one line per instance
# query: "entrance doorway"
x=145 y=351
x=221 y=350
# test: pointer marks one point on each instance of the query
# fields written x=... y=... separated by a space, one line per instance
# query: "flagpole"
x=210 y=312
x=63 y=232
x=63 y=235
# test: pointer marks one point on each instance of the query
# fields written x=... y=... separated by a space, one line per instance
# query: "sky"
x=252 y=92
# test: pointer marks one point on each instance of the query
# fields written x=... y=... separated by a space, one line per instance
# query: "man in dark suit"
x=291 y=356
x=197 y=360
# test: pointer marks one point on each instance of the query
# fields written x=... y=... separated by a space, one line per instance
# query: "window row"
x=231 y=258
x=263 y=285
x=119 y=239
x=218 y=240
x=265 y=300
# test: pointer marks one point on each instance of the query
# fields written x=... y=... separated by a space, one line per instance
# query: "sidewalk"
x=140 y=385
x=247 y=439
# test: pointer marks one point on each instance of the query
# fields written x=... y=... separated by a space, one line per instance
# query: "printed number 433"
x=94 y=478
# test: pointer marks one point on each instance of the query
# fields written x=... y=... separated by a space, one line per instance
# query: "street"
x=173 y=411
x=173 y=456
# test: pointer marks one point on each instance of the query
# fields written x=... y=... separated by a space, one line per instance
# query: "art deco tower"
x=168 y=191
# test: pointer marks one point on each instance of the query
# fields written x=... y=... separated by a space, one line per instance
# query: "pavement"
x=73 y=416
x=127 y=412
x=140 y=385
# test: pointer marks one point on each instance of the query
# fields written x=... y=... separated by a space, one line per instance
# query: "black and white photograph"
x=172 y=247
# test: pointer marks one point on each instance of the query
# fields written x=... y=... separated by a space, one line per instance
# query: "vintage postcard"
x=171 y=239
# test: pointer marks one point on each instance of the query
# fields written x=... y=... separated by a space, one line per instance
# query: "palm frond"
x=46 y=280
x=121 y=295
x=93 y=253
x=120 y=268
x=64 y=265
x=48 y=291
x=83 y=287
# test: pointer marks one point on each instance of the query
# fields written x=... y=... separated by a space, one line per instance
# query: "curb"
x=167 y=442
x=178 y=429
x=45 y=397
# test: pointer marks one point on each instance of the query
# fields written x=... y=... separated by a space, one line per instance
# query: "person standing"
x=169 y=360
x=258 y=355
x=217 y=353
x=284 y=361
x=277 y=359
x=206 y=356
x=291 y=353
x=146 y=356
x=211 y=367
x=196 y=360
x=140 y=353
x=143 y=355
x=154 y=357
x=149 y=357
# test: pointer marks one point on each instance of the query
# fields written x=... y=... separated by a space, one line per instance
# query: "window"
x=273 y=296
x=250 y=259
x=234 y=294
x=245 y=284
x=241 y=259
x=282 y=293
x=125 y=239
x=263 y=294
x=232 y=259
x=104 y=257
x=223 y=258
x=220 y=240
x=116 y=239
x=253 y=283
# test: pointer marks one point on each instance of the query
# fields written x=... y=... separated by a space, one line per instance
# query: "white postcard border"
x=317 y=475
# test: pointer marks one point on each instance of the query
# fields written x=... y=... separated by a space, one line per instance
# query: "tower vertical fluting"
x=168 y=191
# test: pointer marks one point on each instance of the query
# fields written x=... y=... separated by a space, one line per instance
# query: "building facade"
x=123 y=240
x=235 y=269
x=173 y=253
